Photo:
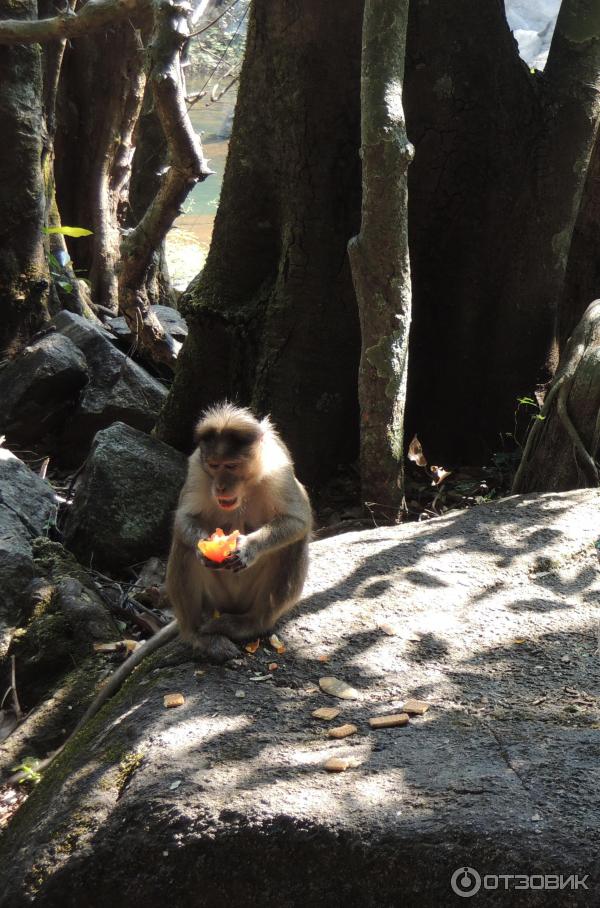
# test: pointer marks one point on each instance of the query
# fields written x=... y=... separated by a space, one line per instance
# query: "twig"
x=15 y=698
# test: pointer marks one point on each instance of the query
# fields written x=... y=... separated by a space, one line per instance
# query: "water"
x=212 y=121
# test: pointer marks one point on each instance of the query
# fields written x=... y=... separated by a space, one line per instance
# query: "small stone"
x=337 y=764
x=171 y=700
x=240 y=694
x=388 y=629
x=415 y=707
x=337 y=688
x=342 y=731
x=565 y=658
x=392 y=721
x=326 y=712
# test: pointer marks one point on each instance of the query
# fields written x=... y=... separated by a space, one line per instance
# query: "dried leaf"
x=415 y=707
x=392 y=721
x=337 y=688
x=438 y=474
x=415 y=453
x=175 y=784
x=326 y=712
x=171 y=700
x=277 y=644
x=323 y=658
x=342 y=731
x=118 y=646
x=253 y=646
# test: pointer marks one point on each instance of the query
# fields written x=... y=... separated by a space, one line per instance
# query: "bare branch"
x=187 y=166
x=94 y=15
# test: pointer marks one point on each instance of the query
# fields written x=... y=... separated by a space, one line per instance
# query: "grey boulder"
x=118 y=389
x=125 y=499
x=40 y=387
x=28 y=507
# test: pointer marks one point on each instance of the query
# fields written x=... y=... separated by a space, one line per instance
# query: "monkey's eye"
x=231 y=466
x=213 y=466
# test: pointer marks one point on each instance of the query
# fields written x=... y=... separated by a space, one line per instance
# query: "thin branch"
x=94 y=15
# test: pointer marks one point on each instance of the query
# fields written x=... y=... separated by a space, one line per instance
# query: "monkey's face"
x=228 y=480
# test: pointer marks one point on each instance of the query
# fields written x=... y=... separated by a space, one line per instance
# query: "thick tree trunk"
x=538 y=237
x=379 y=257
x=471 y=111
x=493 y=196
x=23 y=268
x=273 y=320
x=582 y=282
x=563 y=447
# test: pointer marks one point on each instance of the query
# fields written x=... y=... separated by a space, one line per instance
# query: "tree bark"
x=273 y=320
x=563 y=447
x=540 y=233
x=187 y=166
x=379 y=257
x=23 y=269
x=471 y=111
x=101 y=94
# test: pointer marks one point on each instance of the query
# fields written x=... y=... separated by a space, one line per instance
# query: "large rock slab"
x=125 y=499
x=118 y=388
x=27 y=507
x=39 y=388
x=225 y=800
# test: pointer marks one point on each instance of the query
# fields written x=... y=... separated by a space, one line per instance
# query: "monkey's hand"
x=243 y=556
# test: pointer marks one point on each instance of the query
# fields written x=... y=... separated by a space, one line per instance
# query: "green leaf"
x=69 y=231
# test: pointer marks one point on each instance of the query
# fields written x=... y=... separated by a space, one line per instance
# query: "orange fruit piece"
x=219 y=546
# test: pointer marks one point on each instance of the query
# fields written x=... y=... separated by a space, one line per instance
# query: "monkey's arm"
x=190 y=528
x=291 y=524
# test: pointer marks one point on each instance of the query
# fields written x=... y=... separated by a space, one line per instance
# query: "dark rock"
x=125 y=499
x=27 y=507
x=171 y=320
x=39 y=387
x=225 y=800
x=118 y=388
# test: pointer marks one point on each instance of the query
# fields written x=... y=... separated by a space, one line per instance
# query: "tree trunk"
x=23 y=268
x=273 y=319
x=501 y=158
x=582 y=282
x=379 y=257
x=187 y=165
x=563 y=446
x=539 y=235
x=101 y=94
x=471 y=111
x=149 y=160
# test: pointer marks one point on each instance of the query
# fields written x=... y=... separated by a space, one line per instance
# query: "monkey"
x=240 y=477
